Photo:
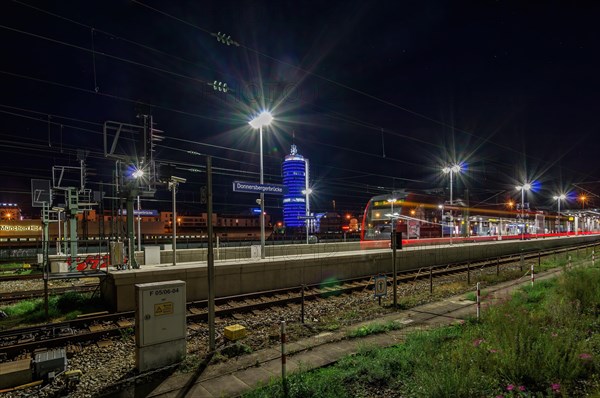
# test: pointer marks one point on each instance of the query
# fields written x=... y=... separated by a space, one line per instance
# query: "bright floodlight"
x=561 y=197
x=392 y=200
x=524 y=187
x=454 y=168
x=307 y=191
x=262 y=120
x=138 y=173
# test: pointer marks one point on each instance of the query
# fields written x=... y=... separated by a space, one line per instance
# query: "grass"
x=66 y=306
x=373 y=328
x=543 y=342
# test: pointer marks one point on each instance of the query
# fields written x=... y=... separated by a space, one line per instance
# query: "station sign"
x=307 y=217
x=142 y=213
x=254 y=187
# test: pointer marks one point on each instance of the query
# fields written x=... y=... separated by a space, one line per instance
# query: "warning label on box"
x=163 y=308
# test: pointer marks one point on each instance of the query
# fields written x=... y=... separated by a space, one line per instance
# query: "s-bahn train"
x=426 y=222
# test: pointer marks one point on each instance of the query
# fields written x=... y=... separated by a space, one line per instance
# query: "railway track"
x=100 y=326
x=9 y=297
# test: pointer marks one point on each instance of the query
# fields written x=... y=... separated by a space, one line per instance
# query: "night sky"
x=378 y=95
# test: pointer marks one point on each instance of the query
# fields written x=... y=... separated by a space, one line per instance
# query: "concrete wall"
x=234 y=277
x=243 y=252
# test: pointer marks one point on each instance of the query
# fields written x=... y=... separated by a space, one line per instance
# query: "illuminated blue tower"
x=295 y=177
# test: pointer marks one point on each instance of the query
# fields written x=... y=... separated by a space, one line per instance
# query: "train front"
x=378 y=221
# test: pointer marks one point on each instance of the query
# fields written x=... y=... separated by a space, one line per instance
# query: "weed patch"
x=544 y=342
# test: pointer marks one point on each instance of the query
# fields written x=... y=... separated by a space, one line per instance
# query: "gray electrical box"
x=160 y=324
x=161 y=312
x=50 y=363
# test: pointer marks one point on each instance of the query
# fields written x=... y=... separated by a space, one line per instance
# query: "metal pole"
x=283 y=359
x=468 y=273
x=262 y=201
x=451 y=214
x=302 y=304
x=532 y=276
x=522 y=260
x=394 y=281
x=523 y=213
x=139 y=225
x=478 y=301
x=210 y=259
x=307 y=192
x=430 y=280
x=558 y=217
x=306 y=223
x=59 y=251
x=174 y=229
x=497 y=266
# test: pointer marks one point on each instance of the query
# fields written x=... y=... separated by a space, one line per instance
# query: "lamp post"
x=455 y=168
x=394 y=247
x=262 y=120
x=306 y=193
x=523 y=188
x=558 y=198
x=173 y=184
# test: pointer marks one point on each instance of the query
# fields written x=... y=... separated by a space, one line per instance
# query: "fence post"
x=522 y=260
x=469 y=273
x=430 y=280
x=283 y=359
x=532 y=276
x=302 y=304
x=497 y=266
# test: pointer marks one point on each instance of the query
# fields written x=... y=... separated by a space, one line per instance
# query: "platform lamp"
x=523 y=188
x=451 y=169
x=307 y=193
x=173 y=184
x=137 y=174
x=394 y=238
x=558 y=198
x=262 y=120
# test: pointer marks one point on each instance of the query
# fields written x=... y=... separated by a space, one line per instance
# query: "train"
x=424 y=222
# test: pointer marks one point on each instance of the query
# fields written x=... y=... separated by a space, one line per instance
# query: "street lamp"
x=455 y=168
x=523 y=188
x=173 y=184
x=583 y=199
x=558 y=198
x=394 y=246
x=264 y=119
x=138 y=174
x=306 y=193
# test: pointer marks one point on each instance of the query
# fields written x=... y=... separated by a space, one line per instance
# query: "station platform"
x=293 y=268
x=235 y=377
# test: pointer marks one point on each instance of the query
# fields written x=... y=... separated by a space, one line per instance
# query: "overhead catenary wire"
x=341 y=118
x=346 y=118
